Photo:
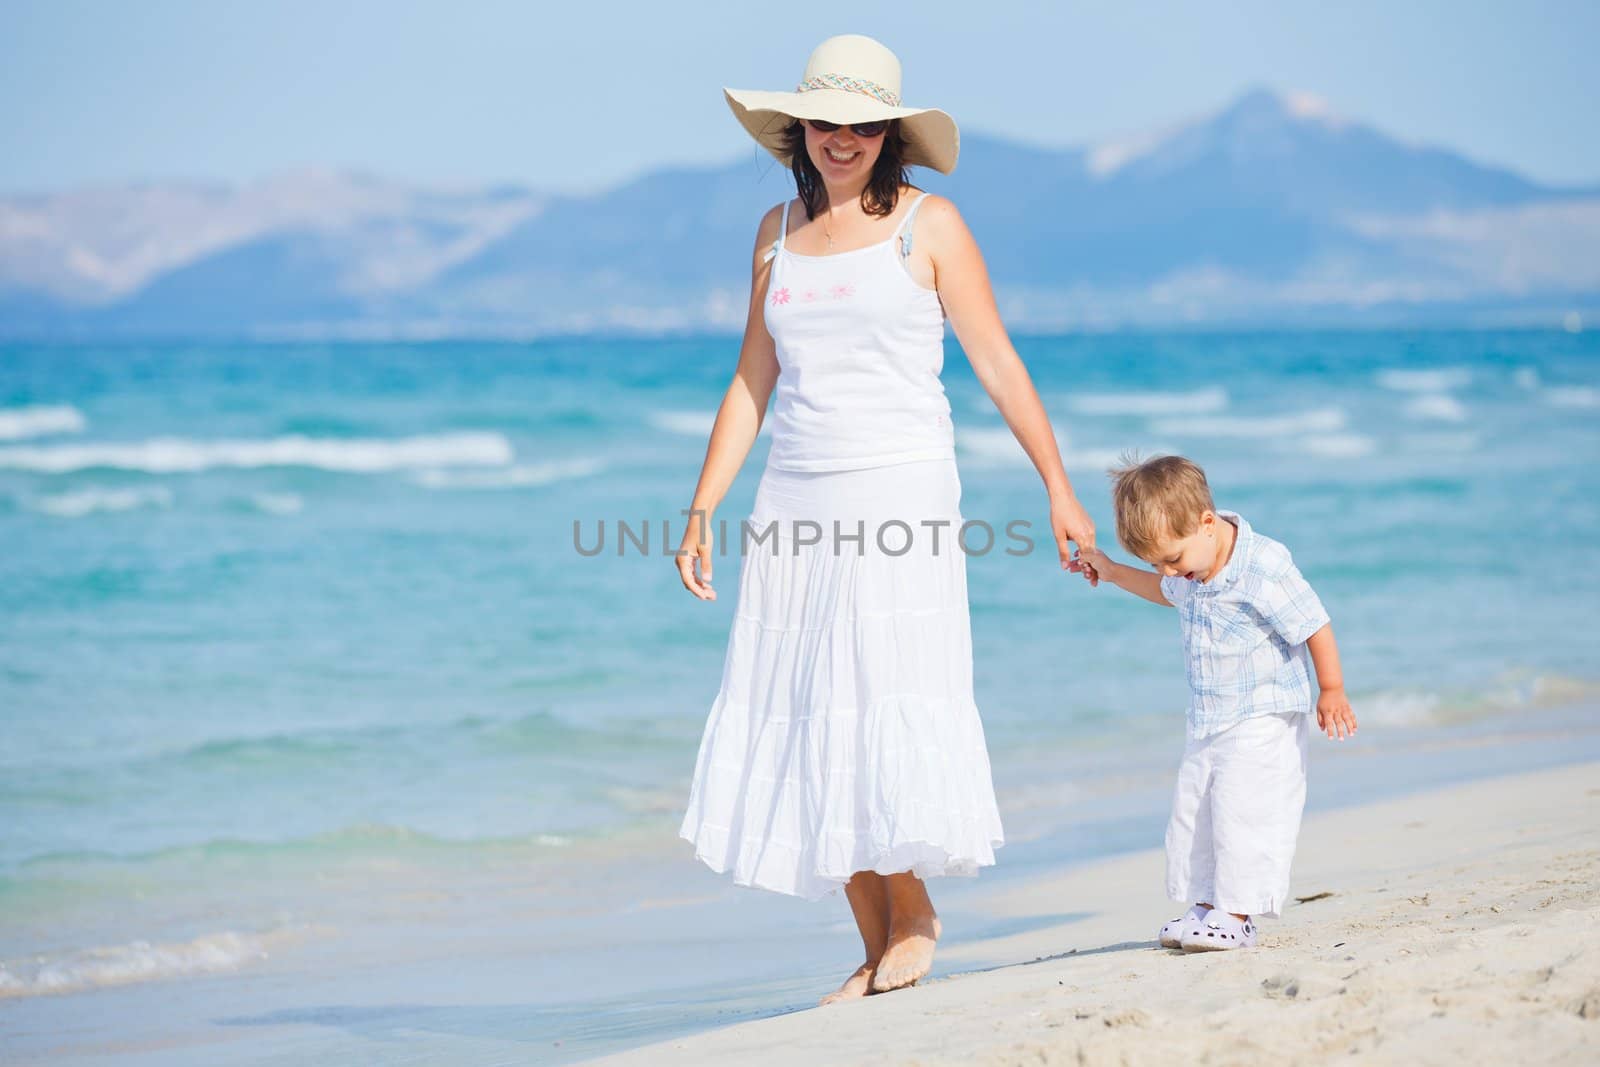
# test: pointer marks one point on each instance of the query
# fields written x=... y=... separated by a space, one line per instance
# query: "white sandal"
x=1172 y=932
x=1219 y=933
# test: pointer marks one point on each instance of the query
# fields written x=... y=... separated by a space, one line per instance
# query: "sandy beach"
x=1457 y=925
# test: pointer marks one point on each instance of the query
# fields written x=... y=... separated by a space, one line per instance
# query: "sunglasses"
x=860 y=129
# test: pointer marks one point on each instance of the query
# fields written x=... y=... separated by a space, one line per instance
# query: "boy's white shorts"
x=1236 y=815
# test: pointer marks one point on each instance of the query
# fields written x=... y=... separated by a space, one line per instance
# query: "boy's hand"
x=1334 y=716
x=1091 y=563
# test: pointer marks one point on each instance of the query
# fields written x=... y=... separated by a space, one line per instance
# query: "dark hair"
x=883 y=188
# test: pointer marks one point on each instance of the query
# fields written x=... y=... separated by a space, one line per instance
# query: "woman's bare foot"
x=909 y=956
x=858 y=984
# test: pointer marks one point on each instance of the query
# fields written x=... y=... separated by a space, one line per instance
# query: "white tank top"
x=860 y=346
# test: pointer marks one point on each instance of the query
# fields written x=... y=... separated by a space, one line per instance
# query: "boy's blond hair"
x=1157 y=500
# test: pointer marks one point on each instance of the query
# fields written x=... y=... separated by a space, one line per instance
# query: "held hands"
x=1092 y=563
x=695 y=552
x=1070 y=524
x=1334 y=716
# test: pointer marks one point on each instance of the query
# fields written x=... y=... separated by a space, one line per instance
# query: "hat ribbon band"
x=850 y=85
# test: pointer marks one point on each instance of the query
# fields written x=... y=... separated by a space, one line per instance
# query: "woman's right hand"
x=694 y=552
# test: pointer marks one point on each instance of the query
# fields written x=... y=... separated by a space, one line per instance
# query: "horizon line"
x=1302 y=105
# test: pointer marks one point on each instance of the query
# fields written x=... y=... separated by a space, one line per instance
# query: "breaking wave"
x=38 y=421
x=81 y=502
x=168 y=455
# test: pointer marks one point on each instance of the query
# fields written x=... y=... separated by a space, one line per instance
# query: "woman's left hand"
x=1069 y=523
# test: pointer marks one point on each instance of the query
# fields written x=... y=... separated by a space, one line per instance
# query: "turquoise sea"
x=323 y=741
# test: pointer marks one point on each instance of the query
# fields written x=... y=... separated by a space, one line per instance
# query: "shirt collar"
x=1243 y=545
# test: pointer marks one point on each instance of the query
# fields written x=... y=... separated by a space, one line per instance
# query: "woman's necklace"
x=827 y=231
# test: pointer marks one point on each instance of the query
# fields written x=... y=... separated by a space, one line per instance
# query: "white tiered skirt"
x=845 y=737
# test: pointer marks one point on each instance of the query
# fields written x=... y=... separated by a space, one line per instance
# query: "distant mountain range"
x=1273 y=211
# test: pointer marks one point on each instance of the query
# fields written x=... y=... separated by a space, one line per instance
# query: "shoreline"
x=1460 y=922
x=464 y=956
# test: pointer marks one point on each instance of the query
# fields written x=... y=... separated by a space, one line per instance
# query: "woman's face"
x=842 y=156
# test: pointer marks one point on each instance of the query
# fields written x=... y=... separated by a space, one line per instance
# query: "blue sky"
x=571 y=97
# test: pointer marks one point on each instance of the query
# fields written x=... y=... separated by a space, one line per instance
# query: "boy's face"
x=1193 y=556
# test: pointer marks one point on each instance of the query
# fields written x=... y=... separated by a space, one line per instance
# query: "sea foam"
x=1339 y=445
x=1441 y=407
x=1437 y=380
x=1321 y=420
x=689 y=423
x=278 y=503
x=1573 y=396
x=137 y=961
x=684 y=423
x=1199 y=402
x=81 y=502
x=997 y=447
x=519 y=477
x=38 y=421
x=167 y=455
x=1514 y=690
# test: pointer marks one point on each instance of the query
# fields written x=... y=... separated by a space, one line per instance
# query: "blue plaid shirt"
x=1245 y=633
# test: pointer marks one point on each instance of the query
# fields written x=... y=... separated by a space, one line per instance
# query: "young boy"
x=1253 y=630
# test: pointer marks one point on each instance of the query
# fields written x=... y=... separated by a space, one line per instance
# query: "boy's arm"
x=1334 y=715
x=1097 y=567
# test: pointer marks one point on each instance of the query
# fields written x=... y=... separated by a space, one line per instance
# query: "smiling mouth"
x=848 y=157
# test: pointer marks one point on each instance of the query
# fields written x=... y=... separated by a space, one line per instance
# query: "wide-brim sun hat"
x=849 y=79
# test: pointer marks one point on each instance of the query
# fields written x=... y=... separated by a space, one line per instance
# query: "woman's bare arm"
x=963 y=283
x=739 y=418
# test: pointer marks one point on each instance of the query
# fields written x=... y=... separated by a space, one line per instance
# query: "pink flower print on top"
x=843 y=292
x=780 y=297
x=810 y=296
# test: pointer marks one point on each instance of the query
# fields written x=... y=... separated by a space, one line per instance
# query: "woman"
x=844 y=746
